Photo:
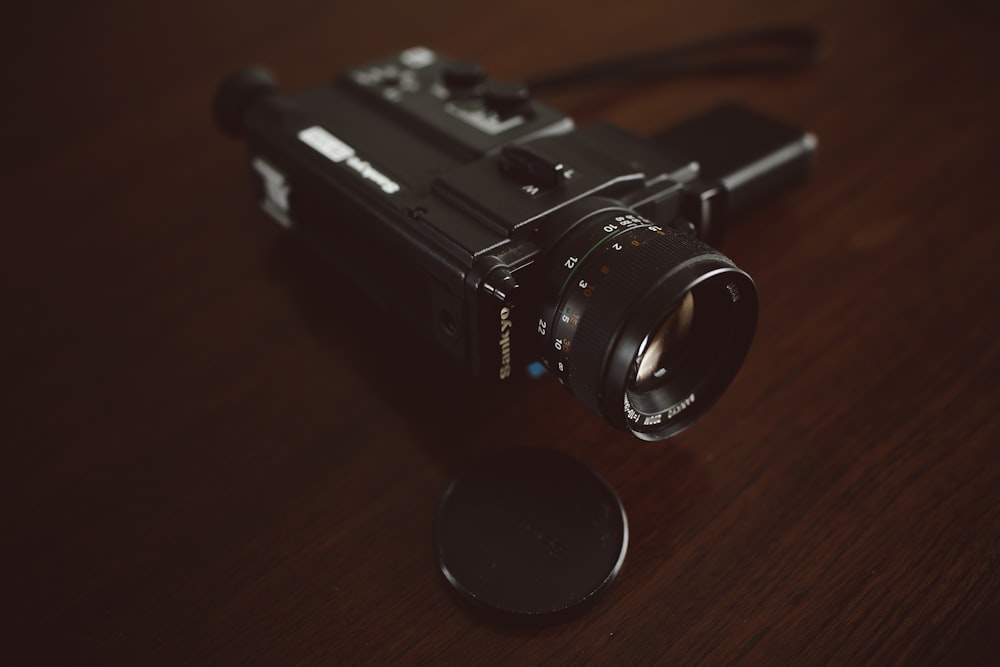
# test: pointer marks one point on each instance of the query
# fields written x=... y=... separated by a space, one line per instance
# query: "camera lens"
x=661 y=350
x=645 y=325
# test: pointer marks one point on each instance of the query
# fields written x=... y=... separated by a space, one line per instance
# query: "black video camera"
x=502 y=235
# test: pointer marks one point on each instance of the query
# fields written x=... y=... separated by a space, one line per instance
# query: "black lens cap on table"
x=530 y=535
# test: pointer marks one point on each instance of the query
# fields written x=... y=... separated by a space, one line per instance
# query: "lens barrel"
x=645 y=325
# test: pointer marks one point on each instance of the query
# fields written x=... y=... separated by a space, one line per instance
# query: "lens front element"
x=645 y=325
x=661 y=350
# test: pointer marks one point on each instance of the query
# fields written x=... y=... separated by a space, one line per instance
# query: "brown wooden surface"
x=209 y=458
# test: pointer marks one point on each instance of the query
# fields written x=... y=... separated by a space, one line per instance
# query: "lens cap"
x=530 y=535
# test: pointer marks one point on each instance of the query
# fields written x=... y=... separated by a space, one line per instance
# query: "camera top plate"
x=455 y=101
x=454 y=160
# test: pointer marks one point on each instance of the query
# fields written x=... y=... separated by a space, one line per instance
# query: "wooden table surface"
x=192 y=472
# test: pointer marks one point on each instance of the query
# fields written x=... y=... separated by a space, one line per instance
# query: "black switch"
x=463 y=74
x=530 y=167
x=506 y=97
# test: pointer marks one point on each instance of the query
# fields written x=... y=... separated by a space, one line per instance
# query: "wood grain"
x=210 y=457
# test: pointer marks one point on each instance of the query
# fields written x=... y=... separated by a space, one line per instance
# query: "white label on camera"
x=276 y=190
x=327 y=144
x=337 y=151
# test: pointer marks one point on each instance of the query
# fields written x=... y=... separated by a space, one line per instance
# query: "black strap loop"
x=773 y=49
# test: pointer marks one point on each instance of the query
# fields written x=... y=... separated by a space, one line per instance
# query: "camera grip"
x=753 y=157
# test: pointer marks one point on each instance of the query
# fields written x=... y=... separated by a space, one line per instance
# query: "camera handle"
x=772 y=49
x=744 y=159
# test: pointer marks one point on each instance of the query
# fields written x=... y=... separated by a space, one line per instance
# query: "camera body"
x=500 y=234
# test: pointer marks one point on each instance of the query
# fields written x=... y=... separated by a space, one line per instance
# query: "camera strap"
x=765 y=50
